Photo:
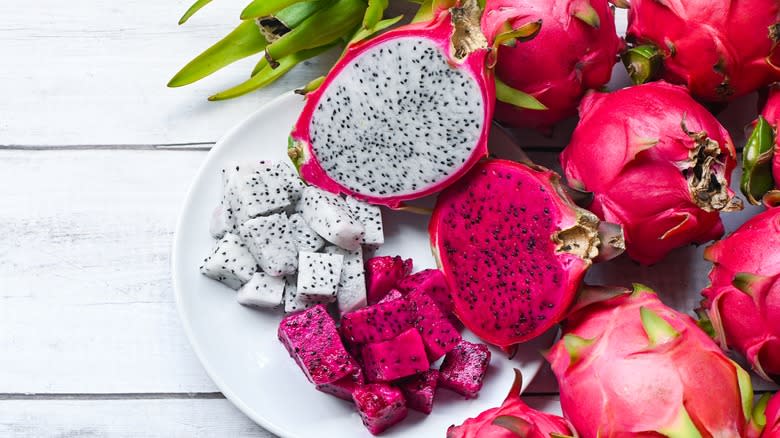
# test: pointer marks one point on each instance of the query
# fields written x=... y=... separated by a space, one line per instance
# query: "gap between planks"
x=194 y=146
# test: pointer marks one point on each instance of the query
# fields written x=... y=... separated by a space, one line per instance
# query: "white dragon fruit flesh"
x=318 y=276
x=371 y=218
x=262 y=290
x=230 y=263
x=270 y=240
x=329 y=216
x=351 y=291
x=306 y=239
x=252 y=190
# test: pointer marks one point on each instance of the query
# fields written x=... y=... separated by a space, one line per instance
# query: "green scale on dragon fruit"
x=382 y=274
x=380 y=406
x=306 y=239
x=438 y=333
x=399 y=357
x=262 y=291
x=371 y=218
x=329 y=216
x=351 y=291
x=463 y=369
x=380 y=322
x=419 y=390
x=270 y=240
x=312 y=340
x=318 y=276
x=230 y=263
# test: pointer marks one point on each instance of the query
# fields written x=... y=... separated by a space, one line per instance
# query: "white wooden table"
x=95 y=158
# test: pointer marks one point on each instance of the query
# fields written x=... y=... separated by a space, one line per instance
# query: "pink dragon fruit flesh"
x=433 y=283
x=658 y=163
x=627 y=365
x=344 y=387
x=399 y=357
x=513 y=419
x=761 y=155
x=419 y=390
x=376 y=323
x=464 y=368
x=574 y=52
x=719 y=49
x=438 y=333
x=383 y=273
x=380 y=406
x=401 y=115
x=394 y=294
x=743 y=299
x=513 y=248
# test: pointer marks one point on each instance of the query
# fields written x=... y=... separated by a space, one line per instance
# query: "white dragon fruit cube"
x=262 y=290
x=252 y=190
x=271 y=241
x=371 y=218
x=351 y=291
x=318 y=276
x=230 y=263
x=329 y=216
x=306 y=239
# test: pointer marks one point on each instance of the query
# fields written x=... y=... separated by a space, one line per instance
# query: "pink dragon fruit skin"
x=639 y=150
x=772 y=414
x=437 y=332
x=383 y=273
x=380 y=406
x=627 y=365
x=518 y=420
x=719 y=49
x=419 y=390
x=313 y=341
x=743 y=299
x=399 y=357
x=360 y=169
x=464 y=367
x=574 y=52
x=761 y=155
x=376 y=323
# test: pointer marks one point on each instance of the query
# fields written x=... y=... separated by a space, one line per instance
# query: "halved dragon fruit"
x=438 y=333
x=270 y=240
x=318 y=277
x=231 y=262
x=464 y=368
x=329 y=216
x=399 y=357
x=380 y=406
x=513 y=248
x=379 y=322
x=383 y=273
x=419 y=390
x=262 y=290
x=401 y=115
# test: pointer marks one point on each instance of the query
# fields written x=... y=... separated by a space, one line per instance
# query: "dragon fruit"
x=262 y=290
x=292 y=303
x=401 y=115
x=419 y=390
x=351 y=291
x=220 y=223
x=627 y=365
x=318 y=277
x=346 y=386
x=378 y=322
x=270 y=240
x=574 y=52
x=743 y=299
x=464 y=368
x=306 y=239
x=329 y=216
x=380 y=406
x=371 y=218
x=513 y=248
x=433 y=283
x=512 y=419
x=394 y=294
x=438 y=333
x=252 y=190
x=761 y=156
x=399 y=357
x=230 y=263
x=658 y=163
x=313 y=341
x=719 y=49
x=383 y=273
x=772 y=418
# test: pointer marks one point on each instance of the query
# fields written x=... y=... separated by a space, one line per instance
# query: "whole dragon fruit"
x=402 y=115
x=658 y=163
x=574 y=52
x=513 y=419
x=513 y=248
x=761 y=156
x=772 y=418
x=719 y=49
x=743 y=299
x=627 y=365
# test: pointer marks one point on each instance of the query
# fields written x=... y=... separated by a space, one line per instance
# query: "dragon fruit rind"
x=512 y=419
x=772 y=418
x=401 y=115
x=719 y=49
x=513 y=248
x=627 y=365
x=761 y=156
x=574 y=52
x=658 y=163
x=743 y=299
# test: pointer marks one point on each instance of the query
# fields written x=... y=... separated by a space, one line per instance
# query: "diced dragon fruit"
x=344 y=387
x=379 y=322
x=464 y=368
x=221 y=223
x=251 y=190
x=312 y=340
x=305 y=238
x=270 y=239
x=399 y=357
x=230 y=263
x=419 y=390
x=262 y=290
x=371 y=218
x=318 y=276
x=438 y=333
x=382 y=274
x=392 y=295
x=380 y=406
x=432 y=282
x=291 y=182
x=329 y=216
x=351 y=292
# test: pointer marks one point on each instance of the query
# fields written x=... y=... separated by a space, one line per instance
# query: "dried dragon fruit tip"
x=517 y=385
x=622 y=4
x=751 y=284
x=575 y=346
x=612 y=243
x=516 y=425
x=657 y=329
x=757 y=157
x=642 y=63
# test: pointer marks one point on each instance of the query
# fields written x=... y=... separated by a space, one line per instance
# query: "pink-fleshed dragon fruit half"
x=627 y=365
x=719 y=49
x=761 y=155
x=658 y=163
x=574 y=52
x=743 y=299
x=513 y=419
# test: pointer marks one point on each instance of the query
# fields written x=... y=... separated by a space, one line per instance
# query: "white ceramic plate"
x=238 y=346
